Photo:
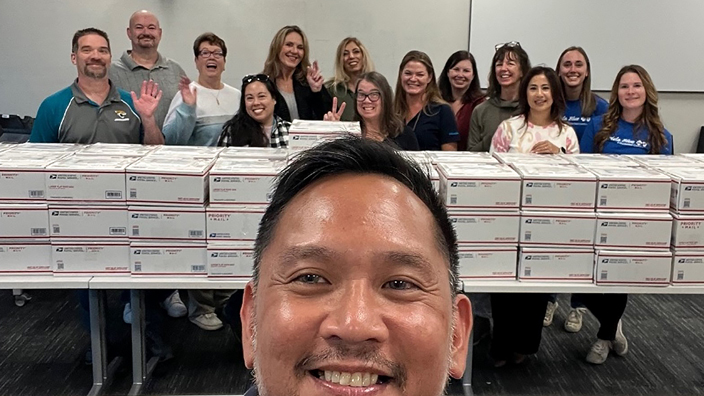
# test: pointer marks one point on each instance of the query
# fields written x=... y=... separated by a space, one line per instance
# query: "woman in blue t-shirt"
x=418 y=102
x=575 y=71
x=631 y=125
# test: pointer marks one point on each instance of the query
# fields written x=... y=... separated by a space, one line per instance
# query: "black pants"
x=608 y=310
x=518 y=323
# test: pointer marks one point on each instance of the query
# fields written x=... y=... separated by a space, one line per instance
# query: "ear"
x=73 y=58
x=129 y=33
x=247 y=317
x=462 y=318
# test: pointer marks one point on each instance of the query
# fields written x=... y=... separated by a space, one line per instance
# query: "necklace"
x=417 y=117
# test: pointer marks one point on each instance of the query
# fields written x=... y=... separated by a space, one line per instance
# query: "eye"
x=398 y=284
x=310 y=279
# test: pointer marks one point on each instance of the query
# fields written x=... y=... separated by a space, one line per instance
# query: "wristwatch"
x=562 y=150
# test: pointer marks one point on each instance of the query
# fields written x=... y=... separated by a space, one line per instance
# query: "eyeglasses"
x=215 y=54
x=510 y=44
x=254 y=77
x=373 y=96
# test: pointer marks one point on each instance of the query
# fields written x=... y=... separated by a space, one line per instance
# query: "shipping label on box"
x=559 y=265
x=90 y=258
x=549 y=229
x=687 y=189
x=28 y=221
x=479 y=187
x=485 y=228
x=688 y=268
x=632 y=190
x=22 y=177
x=25 y=258
x=87 y=179
x=166 y=223
x=233 y=223
x=688 y=232
x=88 y=222
x=557 y=188
x=488 y=263
x=232 y=260
x=633 y=231
x=166 y=180
x=168 y=259
x=633 y=268
x=243 y=182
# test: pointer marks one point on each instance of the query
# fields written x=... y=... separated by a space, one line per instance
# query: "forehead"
x=208 y=45
x=539 y=79
x=415 y=67
x=351 y=46
x=92 y=40
x=463 y=64
x=293 y=37
x=630 y=77
x=255 y=87
x=365 y=85
x=144 y=19
x=573 y=56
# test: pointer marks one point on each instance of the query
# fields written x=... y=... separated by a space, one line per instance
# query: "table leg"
x=467 y=377
x=141 y=369
x=102 y=371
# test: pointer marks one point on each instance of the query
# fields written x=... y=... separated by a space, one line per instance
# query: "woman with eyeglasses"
x=256 y=123
x=200 y=108
x=375 y=111
x=508 y=66
x=419 y=104
x=351 y=61
x=459 y=86
x=631 y=125
x=301 y=94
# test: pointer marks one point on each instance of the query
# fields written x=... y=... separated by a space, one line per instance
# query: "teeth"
x=350 y=379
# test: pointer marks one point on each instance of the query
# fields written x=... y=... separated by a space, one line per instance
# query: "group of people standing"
x=144 y=97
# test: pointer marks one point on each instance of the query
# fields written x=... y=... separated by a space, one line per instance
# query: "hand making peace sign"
x=335 y=114
x=315 y=79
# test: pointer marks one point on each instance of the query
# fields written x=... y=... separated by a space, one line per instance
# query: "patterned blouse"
x=516 y=135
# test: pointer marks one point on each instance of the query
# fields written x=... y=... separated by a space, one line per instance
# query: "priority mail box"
x=554 y=229
x=230 y=260
x=25 y=221
x=463 y=157
x=168 y=259
x=487 y=262
x=633 y=268
x=243 y=182
x=421 y=157
x=166 y=223
x=87 y=179
x=633 y=231
x=155 y=180
x=699 y=157
x=601 y=160
x=308 y=133
x=485 y=228
x=233 y=222
x=113 y=149
x=632 y=190
x=472 y=186
x=90 y=257
x=22 y=177
x=270 y=153
x=557 y=188
x=88 y=222
x=656 y=161
x=38 y=148
x=688 y=268
x=529 y=158
x=203 y=152
x=687 y=231
x=687 y=189
x=25 y=257
x=556 y=265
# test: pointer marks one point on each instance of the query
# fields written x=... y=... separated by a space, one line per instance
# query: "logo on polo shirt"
x=121 y=115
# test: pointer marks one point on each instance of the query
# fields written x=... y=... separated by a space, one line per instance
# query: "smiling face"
x=573 y=69
x=539 y=94
x=508 y=71
x=258 y=102
x=292 y=51
x=354 y=296
x=368 y=108
x=415 y=78
x=631 y=92
x=352 y=58
x=144 y=31
x=213 y=64
x=92 y=58
x=461 y=75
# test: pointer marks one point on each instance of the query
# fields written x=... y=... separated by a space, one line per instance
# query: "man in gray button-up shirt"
x=144 y=62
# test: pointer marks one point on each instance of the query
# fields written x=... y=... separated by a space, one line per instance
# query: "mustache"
x=370 y=356
x=141 y=36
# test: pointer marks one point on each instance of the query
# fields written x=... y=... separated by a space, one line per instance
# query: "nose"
x=356 y=317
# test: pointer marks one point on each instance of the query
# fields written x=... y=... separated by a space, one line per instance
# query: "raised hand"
x=335 y=113
x=315 y=79
x=545 y=147
x=149 y=97
x=189 y=96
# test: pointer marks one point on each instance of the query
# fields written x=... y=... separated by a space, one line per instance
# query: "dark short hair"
x=85 y=32
x=354 y=155
x=212 y=39
x=514 y=52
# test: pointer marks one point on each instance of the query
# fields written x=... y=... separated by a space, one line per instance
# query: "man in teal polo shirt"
x=92 y=109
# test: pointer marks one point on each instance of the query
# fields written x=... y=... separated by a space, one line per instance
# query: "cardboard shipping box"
x=488 y=262
x=233 y=223
x=479 y=187
x=687 y=189
x=485 y=228
x=566 y=187
x=628 y=189
x=88 y=222
x=687 y=231
x=166 y=223
x=155 y=258
x=556 y=265
x=243 y=182
x=90 y=257
x=230 y=260
x=688 y=268
x=554 y=229
x=22 y=177
x=650 y=231
x=25 y=257
x=633 y=268
x=26 y=221
x=164 y=180
x=87 y=179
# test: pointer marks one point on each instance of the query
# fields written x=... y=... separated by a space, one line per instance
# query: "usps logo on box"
x=605 y=261
x=680 y=261
x=137 y=251
x=213 y=255
x=605 y=224
x=453 y=184
x=688 y=188
x=296 y=137
x=529 y=184
x=135 y=215
x=59 y=249
x=529 y=221
x=54 y=213
x=212 y=235
x=529 y=257
x=133 y=178
x=216 y=179
x=604 y=186
x=52 y=176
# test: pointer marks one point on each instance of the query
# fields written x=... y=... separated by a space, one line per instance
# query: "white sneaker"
x=174 y=306
x=127 y=313
x=599 y=352
x=573 y=323
x=620 y=343
x=207 y=321
x=550 y=313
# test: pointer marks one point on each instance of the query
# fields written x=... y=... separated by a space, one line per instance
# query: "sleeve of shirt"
x=601 y=106
x=46 y=125
x=501 y=142
x=586 y=145
x=180 y=122
x=571 y=141
x=670 y=149
x=448 y=125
